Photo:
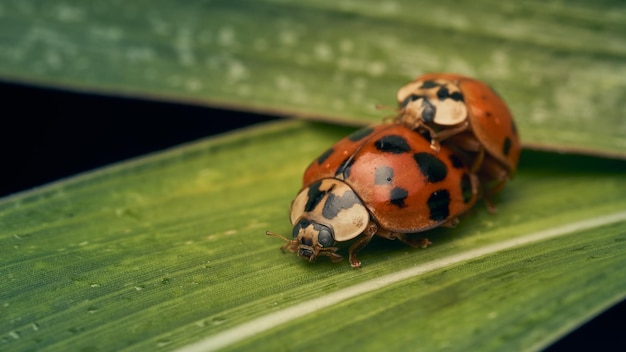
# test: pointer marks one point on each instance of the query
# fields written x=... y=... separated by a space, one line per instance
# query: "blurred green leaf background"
x=167 y=251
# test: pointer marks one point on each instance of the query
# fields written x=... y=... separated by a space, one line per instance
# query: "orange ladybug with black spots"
x=469 y=117
x=383 y=180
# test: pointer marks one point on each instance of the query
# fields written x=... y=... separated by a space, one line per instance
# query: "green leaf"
x=168 y=251
x=560 y=65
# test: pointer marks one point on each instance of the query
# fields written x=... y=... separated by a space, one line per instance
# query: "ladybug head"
x=432 y=103
x=310 y=240
x=323 y=214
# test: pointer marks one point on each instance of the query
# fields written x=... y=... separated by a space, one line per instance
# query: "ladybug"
x=383 y=180
x=470 y=117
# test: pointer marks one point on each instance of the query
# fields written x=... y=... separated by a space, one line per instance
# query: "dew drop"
x=15 y=334
x=92 y=310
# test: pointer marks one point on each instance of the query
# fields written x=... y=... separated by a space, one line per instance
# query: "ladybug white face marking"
x=438 y=102
x=332 y=203
x=324 y=213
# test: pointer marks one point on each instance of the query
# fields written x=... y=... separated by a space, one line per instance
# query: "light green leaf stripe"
x=560 y=65
x=273 y=320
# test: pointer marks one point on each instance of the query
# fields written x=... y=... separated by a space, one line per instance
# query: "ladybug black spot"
x=443 y=93
x=506 y=148
x=411 y=98
x=315 y=196
x=325 y=156
x=360 y=134
x=397 y=197
x=392 y=144
x=431 y=167
x=429 y=84
x=466 y=188
x=383 y=175
x=439 y=205
x=456 y=161
x=335 y=204
x=457 y=96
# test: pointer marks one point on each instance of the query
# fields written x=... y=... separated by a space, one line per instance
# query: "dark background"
x=46 y=135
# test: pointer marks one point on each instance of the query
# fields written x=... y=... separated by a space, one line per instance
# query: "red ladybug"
x=384 y=180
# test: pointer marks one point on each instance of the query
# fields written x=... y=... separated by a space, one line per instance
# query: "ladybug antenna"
x=396 y=112
x=387 y=107
x=270 y=233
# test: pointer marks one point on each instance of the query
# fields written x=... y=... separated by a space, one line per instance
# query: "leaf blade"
x=332 y=304
x=559 y=66
x=167 y=249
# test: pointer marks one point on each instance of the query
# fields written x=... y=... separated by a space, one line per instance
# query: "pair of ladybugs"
x=453 y=141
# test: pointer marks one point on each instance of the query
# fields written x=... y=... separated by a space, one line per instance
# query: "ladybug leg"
x=449 y=132
x=361 y=242
x=494 y=176
x=330 y=252
x=438 y=137
x=478 y=161
x=491 y=191
x=491 y=208
x=451 y=223
x=413 y=241
x=409 y=119
x=468 y=145
x=292 y=246
x=434 y=137
x=475 y=181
